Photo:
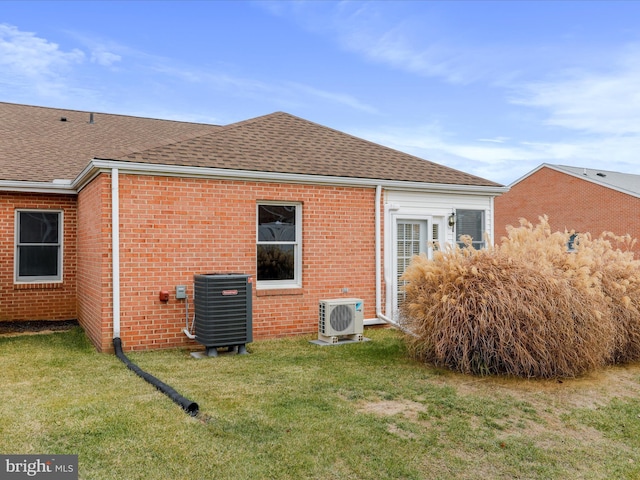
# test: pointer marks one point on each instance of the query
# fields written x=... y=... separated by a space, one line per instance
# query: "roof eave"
x=64 y=187
x=97 y=166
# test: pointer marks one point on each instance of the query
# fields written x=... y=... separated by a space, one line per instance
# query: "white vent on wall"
x=341 y=317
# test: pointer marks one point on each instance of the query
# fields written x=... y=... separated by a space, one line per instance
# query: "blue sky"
x=490 y=88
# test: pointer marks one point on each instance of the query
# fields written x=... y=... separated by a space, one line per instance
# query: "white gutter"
x=97 y=166
x=115 y=250
x=56 y=186
x=136 y=168
x=379 y=313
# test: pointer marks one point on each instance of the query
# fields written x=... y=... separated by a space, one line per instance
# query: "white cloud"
x=26 y=55
x=402 y=37
x=436 y=58
x=288 y=93
x=494 y=140
x=104 y=58
x=601 y=103
x=104 y=52
x=33 y=68
x=507 y=160
x=340 y=98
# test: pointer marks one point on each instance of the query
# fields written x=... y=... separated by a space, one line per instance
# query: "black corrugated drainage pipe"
x=187 y=405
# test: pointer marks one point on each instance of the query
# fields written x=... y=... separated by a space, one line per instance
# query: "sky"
x=492 y=88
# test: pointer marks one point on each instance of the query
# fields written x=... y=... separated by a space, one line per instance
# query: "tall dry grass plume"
x=526 y=307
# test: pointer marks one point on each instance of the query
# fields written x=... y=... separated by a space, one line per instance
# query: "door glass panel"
x=411 y=241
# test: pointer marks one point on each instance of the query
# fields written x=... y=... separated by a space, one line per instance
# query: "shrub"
x=526 y=307
x=619 y=280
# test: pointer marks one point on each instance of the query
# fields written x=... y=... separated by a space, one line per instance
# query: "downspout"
x=378 y=246
x=115 y=250
x=187 y=405
x=493 y=223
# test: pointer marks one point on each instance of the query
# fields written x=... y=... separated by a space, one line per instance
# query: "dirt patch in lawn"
x=389 y=408
x=588 y=391
x=549 y=399
x=34 y=327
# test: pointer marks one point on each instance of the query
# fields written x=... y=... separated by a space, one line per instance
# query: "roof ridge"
x=597 y=170
x=221 y=129
x=96 y=112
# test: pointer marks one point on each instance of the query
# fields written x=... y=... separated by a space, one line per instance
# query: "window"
x=38 y=245
x=470 y=222
x=279 y=262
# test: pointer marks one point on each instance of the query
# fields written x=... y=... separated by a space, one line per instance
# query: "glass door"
x=411 y=240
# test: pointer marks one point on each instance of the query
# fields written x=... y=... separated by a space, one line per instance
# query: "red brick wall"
x=37 y=301
x=94 y=262
x=173 y=228
x=570 y=203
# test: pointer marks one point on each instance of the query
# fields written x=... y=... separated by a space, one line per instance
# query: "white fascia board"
x=96 y=166
x=59 y=187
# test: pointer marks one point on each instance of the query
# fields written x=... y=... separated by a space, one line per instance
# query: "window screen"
x=38 y=245
x=470 y=222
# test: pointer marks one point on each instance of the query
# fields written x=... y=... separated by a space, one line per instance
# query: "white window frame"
x=60 y=244
x=296 y=282
x=478 y=243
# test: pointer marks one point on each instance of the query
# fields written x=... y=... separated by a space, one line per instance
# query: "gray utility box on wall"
x=223 y=311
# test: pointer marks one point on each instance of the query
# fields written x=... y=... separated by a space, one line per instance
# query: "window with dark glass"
x=38 y=245
x=471 y=223
x=278 y=243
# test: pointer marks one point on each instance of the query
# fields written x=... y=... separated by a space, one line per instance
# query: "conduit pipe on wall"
x=187 y=405
x=378 y=246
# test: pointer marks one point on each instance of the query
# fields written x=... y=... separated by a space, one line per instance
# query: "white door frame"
x=391 y=250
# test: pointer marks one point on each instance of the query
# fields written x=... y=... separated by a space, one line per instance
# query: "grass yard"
x=293 y=410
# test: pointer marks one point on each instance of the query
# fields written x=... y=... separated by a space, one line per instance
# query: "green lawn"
x=294 y=410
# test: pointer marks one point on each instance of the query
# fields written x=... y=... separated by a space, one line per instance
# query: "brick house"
x=101 y=212
x=573 y=198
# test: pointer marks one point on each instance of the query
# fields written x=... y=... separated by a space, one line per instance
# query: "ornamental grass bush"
x=526 y=307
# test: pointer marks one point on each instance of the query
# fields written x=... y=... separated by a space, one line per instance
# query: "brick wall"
x=94 y=262
x=37 y=301
x=173 y=228
x=570 y=203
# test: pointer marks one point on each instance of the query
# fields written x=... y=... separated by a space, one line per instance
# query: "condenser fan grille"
x=341 y=317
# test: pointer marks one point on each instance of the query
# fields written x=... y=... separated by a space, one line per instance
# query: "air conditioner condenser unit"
x=341 y=318
x=223 y=311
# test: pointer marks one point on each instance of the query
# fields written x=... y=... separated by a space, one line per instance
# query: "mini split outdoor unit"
x=223 y=311
x=341 y=318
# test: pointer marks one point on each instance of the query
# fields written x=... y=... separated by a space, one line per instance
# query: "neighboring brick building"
x=579 y=199
x=191 y=199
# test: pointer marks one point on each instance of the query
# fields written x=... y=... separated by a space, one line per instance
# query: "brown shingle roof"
x=283 y=143
x=36 y=145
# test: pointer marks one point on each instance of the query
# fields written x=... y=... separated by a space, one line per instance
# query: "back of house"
x=109 y=219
